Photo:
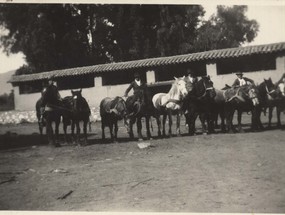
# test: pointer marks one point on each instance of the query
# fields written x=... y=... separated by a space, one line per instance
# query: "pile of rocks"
x=17 y=117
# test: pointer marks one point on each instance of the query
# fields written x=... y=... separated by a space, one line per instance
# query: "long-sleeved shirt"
x=242 y=81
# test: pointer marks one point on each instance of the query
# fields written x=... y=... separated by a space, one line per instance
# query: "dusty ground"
x=204 y=173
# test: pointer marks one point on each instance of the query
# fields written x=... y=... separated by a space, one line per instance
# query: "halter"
x=206 y=90
x=269 y=92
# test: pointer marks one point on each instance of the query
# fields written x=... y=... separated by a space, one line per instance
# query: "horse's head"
x=76 y=97
x=205 y=87
x=281 y=89
x=270 y=89
x=180 y=85
x=253 y=95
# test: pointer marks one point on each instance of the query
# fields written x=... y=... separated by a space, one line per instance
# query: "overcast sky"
x=271 y=19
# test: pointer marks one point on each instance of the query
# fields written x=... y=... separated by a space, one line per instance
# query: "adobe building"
x=110 y=80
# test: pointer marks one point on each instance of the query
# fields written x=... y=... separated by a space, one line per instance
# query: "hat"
x=239 y=73
x=137 y=75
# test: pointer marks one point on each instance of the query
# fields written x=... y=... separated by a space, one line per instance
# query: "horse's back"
x=220 y=98
x=107 y=104
x=157 y=100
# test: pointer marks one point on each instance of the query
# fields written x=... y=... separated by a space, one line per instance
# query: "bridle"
x=206 y=90
x=269 y=93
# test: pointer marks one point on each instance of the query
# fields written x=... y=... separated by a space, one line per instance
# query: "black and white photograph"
x=161 y=107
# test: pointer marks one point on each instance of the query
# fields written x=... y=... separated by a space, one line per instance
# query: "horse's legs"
x=40 y=128
x=163 y=124
x=115 y=130
x=191 y=124
x=278 y=112
x=49 y=131
x=139 y=128
x=169 y=123
x=85 y=122
x=72 y=130
x=132 y=121
x=64 y=130
x=222 y=116
x=77 y=131
x=103 y=120
x=111 y=131
x=239 y=121
x=158 y=125
x=229 y=120
x=270 y=110
x=57 y=130
x=147 y=118
x=178 y=124
x=202 y=117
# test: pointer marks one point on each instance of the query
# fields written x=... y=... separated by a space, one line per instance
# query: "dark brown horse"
x=41 y=119
x=76 y=109
x=271 y=97
x=199 y=102
x=138 y=107
x=111 y=111
x=242 y=99
x=52 y=113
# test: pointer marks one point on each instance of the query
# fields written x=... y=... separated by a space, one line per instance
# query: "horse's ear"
x=175 y=78
x=72 y=92
x=80 y=90
x=183 y=77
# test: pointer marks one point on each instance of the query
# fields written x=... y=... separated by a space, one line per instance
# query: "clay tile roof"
x=153 y=62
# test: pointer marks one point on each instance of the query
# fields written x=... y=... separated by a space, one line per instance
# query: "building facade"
x=110 y=80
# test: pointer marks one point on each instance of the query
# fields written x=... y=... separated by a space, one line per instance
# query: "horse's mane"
x=173 y=90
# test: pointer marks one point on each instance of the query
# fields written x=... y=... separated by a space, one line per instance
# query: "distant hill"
x=4 y=86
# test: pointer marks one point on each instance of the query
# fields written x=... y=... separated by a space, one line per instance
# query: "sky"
x=271 y=18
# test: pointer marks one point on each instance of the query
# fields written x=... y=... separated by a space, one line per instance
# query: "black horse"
x=271 y=96
x=111 y=111
x=242 y=99
x=200 y=102
x=75 y=110
x=52 y=113
x=137 y=108
x=41 y=119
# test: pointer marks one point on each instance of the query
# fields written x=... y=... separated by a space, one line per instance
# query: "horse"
x=170 y=103
x=52 y=113
x=242 y=99
x=136 y=111
x=77 y=110
x=269 y=98
x=199 y=102
x=41 y=119
x=112 y=110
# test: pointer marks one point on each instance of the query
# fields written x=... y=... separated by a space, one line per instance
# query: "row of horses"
x=193 y=100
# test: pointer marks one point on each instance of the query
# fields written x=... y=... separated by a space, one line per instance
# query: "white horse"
x=171 y=103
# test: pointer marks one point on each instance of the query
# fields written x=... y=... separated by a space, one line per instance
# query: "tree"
x=229 y=28
x=58 y=36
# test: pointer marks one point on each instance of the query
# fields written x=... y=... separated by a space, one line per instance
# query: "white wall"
x=221 y=80
x=94 y=95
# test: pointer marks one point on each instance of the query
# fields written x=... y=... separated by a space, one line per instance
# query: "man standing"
x=241 y=81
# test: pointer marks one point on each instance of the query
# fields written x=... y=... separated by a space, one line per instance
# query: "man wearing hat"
x=139 y=88
x=190 y=79
x=52 y=93
x=241 y=81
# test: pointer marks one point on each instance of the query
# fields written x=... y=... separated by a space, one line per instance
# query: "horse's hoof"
x=205 y=133
x=178 y=135
x=140 y=139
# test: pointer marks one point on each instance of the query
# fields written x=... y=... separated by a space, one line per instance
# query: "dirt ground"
x=243 y=172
